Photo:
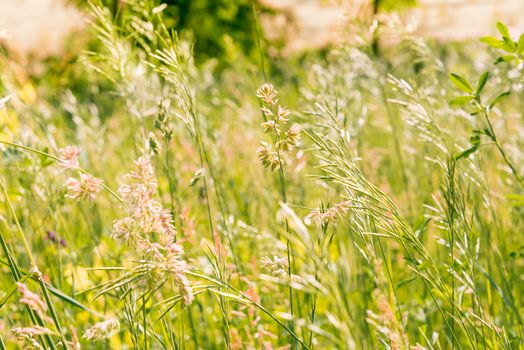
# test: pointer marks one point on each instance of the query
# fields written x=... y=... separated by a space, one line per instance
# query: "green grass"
x=378 y=216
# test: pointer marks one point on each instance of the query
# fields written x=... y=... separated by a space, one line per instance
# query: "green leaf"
x=475 y=144
x=475 y=140
x=466 y=153
x=520 y=45
x=507 y=58
x=478 y=132
x=508 y=45
x=499 y=98
x=460 y=101
x=482 y=82
x=491 y=41
x=12 y=290
x=488 y=133
x=439 y=294
x=461 y=83
x=44 y=160
x=406 y=281
x=516 y=200
x=503 y=30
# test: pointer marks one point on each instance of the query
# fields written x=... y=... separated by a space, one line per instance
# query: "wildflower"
x=87 y=187
x=51 y=236
x=268 y=94
x=269 y=158
x=102 y=330
x=277 y=267
x=32 y=300
x=69 y=156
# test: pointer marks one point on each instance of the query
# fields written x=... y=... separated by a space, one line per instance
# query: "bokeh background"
x=38 y=28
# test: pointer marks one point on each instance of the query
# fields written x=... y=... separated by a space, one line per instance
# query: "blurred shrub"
x=213 y=25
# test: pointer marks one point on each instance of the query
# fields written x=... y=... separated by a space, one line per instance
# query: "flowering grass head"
x=86 y=187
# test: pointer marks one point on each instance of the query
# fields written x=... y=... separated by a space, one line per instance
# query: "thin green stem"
x=17 y=276
x=495 y=140
x=34 y=268
x=289 y=247
x=258 y=305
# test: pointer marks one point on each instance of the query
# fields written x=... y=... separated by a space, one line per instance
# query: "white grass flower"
x=102 y=330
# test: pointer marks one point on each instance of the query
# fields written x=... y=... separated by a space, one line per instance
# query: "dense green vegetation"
x=354 y=199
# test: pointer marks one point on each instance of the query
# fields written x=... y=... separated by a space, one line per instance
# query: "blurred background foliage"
x=218 y=28
x=221 y=29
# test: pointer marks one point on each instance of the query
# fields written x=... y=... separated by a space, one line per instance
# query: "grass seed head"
x=69 y=156
x=84 y=188
x=267 y=156
x=32 y=300
x=267 y=93
x=102 y=330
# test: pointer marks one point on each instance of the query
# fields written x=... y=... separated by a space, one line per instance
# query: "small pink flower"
x=69 y=156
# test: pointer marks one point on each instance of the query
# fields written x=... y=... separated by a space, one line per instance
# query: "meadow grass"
x=355 y=199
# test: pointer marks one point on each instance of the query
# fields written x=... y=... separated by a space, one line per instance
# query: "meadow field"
x=365 y=196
